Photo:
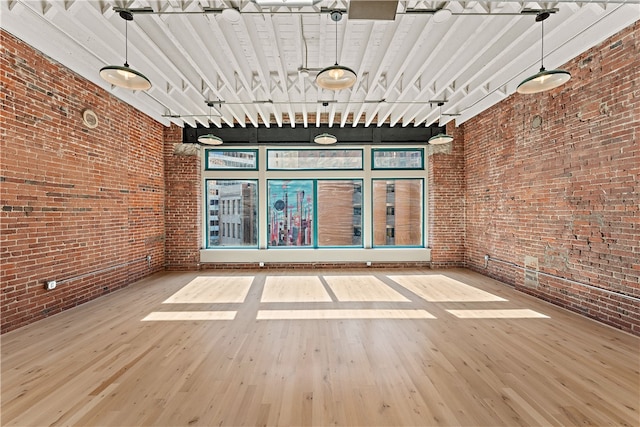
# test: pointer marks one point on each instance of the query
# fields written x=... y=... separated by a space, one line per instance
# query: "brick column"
x=183 y=208
x=446 y=210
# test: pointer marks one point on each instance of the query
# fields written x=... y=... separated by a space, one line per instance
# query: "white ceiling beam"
x=382 y=60
x=281 y=69
x=260 y=59
x=362 y=78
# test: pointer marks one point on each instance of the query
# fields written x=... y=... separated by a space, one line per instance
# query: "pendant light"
x=441 y=138
x=210 y=139
x=325 y=138
x=544 y=80
x=336 y=77
x=124 y=76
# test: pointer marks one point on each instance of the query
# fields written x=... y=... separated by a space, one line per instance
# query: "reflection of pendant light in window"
x=544 y=80
x=441 y=138
x=325 y=138
x=209 y=139
x=336 y=77
x=124 y=76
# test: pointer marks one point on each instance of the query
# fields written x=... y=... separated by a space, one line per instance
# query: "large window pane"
x=397 y=212
x=339 y=212
x=232 y=213
x=290 y=213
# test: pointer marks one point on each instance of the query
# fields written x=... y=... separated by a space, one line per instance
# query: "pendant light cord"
x=542 y=48
x=126 y=45
x=336 y=42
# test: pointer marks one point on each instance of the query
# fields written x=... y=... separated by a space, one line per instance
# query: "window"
x=238 y=228
x=327 y=159
x=316 y=199
x=290 y=212
x=386 y=158
x=397 y=212
x=315 y=213
x=221 y=159
x=339 y=212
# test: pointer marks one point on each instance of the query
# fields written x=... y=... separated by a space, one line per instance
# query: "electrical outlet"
x=261 y=264
x=368 y=263
x=51 y=285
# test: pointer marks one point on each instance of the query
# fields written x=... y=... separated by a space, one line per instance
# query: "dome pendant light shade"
x=123 y=76
x=543 y=80
x=336 y=77
x=325 y=139
x=209 y=139
x=441 y=138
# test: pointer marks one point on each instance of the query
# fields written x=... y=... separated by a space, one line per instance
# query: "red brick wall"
x=74 y=200
x=446 y=187
x=566 y=193
x=183 y=211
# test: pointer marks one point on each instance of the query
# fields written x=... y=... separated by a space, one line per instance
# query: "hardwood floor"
x=350 y=348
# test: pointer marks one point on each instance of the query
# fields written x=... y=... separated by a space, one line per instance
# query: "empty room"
x=319 y=212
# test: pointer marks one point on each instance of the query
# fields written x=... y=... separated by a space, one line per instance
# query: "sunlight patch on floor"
x=342 y=314
x=498 y=314
x=294 y=289
x=212 y=290
x=440 y=288
x=189 y=315
x=362 y=289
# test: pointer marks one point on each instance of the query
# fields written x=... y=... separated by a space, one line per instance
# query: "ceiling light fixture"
x=336 y=77
x=124 y=76
x=325 y=138
x=543 y=80
x=441 y=138
x=209 y=139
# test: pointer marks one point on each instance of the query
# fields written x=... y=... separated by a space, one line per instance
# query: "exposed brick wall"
x=446 y=187
x=74 y=200
x=568 y=192
x=183 y=210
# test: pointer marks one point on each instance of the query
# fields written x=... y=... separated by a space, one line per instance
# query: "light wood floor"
x=357 y=348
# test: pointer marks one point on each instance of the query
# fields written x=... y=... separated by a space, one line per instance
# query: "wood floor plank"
x=101 y=364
